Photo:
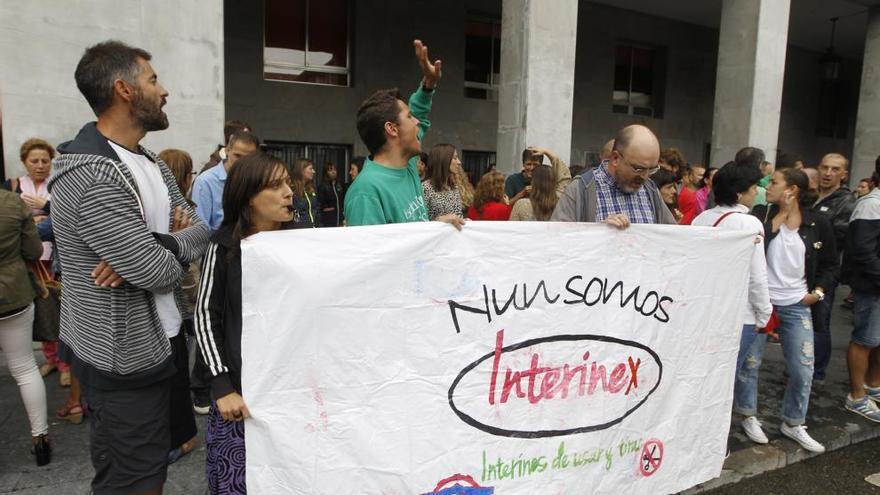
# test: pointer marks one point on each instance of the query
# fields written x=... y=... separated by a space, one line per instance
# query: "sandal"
x=71 y=412
x=175 y=454
x=47 y=369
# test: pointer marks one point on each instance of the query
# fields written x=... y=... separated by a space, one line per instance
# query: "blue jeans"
x=796 y=335
x=822 y=333
x=748 y=361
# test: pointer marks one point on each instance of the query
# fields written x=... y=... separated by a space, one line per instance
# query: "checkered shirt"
x=612 y=200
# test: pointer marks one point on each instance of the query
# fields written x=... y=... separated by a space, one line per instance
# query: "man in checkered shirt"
x=619 y=192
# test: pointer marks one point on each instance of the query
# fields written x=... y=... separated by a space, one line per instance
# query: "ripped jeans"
x=796 y=336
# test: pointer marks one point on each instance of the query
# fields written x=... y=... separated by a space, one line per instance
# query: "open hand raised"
x=431 y=72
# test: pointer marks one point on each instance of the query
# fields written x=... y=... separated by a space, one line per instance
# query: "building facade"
x=708 y=77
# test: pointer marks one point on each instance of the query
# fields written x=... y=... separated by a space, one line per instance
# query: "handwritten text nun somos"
x=597 y=290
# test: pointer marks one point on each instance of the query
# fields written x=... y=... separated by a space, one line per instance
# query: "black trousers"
x=183 y=422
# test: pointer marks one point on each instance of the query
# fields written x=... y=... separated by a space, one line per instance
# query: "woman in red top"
x=490 y=202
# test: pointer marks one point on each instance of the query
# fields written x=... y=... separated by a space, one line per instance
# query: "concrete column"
x=748 y=86
x=536 y=90
x=867 y=138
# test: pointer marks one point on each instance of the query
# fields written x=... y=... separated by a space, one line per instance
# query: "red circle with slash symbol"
x=651 y=458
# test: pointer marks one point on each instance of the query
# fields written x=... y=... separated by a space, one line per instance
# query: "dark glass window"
x=638 y=78
x=319 y=154
x=307 y=41
x=482 y=59
x=476 y=163
x=832 y=119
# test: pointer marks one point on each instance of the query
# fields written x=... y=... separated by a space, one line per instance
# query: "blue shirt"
x=207 y=194
x=613 y=200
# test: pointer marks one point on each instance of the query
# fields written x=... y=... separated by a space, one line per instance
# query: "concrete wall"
x=43 y=41
x=690 y=81
x=381 y=57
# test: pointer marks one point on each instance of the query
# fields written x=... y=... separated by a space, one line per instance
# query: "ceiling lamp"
x=830 y=62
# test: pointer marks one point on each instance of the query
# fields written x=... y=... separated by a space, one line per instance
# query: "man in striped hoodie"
x=124 y=234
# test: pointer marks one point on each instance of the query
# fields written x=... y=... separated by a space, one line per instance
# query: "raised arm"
x=421 y=100
x=560 y=170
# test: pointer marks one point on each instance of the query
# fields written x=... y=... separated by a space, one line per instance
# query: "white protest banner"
x=509 y=358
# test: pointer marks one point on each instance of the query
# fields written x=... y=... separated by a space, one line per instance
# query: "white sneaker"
x=799 y=435
x=753 y=430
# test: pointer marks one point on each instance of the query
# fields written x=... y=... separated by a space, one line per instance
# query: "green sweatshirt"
x=382 y=194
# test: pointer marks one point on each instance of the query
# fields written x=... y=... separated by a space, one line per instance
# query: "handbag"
x=47 y=304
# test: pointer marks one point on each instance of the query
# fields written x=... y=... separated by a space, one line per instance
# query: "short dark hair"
x=233 y=126
x=244 y=137
x=733 y=179
x=750 y=156
x=664 y=177
x=529 y=153
x=379 y=108
x=101 y=65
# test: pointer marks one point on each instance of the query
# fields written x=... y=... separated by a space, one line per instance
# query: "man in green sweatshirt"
x=388 y=189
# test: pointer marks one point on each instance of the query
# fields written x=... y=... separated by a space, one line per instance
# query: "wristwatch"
x=819 y=293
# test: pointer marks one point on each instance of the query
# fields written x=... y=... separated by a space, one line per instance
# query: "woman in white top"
x=441 y=194
x=735 y=188
x=36 y=155
x=801 y=262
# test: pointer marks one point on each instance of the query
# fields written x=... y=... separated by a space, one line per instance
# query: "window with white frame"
x=307 y=41
x=638 y=80
x=482 y=58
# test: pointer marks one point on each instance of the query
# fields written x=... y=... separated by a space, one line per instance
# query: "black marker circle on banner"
x=514 y=433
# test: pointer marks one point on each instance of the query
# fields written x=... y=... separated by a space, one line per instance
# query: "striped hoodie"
x=115 y=333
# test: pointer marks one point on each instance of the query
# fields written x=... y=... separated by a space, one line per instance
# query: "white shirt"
x=157 y=210
x=786 y=268
x=758 y=308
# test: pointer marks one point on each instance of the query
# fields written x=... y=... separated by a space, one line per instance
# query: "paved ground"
x=841 y=471
x=70 y=471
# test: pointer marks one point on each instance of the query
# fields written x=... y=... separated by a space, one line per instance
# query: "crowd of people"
x=150 y=259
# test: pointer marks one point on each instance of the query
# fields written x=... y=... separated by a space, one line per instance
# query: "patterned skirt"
x=224 y=467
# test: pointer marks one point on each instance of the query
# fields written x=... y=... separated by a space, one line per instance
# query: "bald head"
x=638 y=137
x=605 y=154
x=833 y=172
x=636 y=152
x=813 y=175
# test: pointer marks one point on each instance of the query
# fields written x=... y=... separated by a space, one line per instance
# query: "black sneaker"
x=201 y=403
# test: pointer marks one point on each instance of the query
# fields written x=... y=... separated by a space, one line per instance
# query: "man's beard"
x=628 y=187
x=149 y=116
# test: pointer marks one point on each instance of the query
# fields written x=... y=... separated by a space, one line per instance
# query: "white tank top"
x=786 y=268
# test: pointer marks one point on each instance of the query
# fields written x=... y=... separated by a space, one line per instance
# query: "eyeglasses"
x=639 y=170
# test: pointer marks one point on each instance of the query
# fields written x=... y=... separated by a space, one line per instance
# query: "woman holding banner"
x=735 y=187
x=801 y=262
x=257 y=198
